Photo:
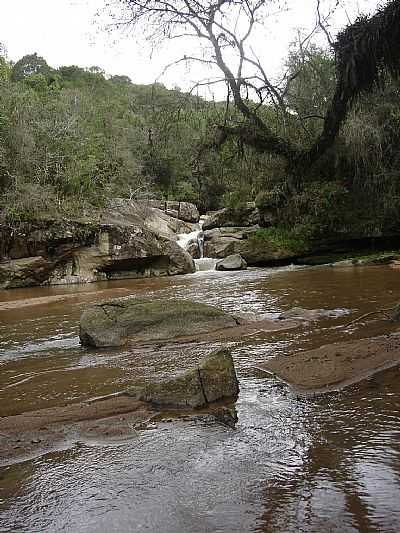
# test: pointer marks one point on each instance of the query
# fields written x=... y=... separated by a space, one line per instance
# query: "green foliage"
x=25 y=201
x=29 y=65
x=71 y=138
x=295 y=240
x=313 y=73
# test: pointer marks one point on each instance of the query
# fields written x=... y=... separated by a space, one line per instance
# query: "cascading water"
x=186 y=239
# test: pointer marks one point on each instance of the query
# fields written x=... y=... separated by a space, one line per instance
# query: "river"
x=327 y=464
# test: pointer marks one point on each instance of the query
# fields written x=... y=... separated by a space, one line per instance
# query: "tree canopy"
x=364 y=52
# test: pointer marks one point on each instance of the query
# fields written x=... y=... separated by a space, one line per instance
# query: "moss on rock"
x=115 y=322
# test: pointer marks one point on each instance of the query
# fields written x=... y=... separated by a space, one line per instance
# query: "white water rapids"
x=186 y=239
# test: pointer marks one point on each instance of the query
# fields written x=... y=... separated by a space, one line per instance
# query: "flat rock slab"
x=335 y=366
x=115 y=322
x=48 y=300
x=34 y=433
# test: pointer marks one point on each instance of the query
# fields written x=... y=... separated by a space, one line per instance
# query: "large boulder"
x=232 y=262
x=212 y=380
x=188 y=212
x=184 y=211
x=221 y=242
x=116 y=322
x=126 y=240
x=256 y=249
x=123 y=212
x=245 y=215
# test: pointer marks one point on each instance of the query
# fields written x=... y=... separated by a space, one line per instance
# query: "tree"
x=29 y=65
x=4 y=65
x=364 y=52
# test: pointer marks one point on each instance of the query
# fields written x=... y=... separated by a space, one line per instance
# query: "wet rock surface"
x=232 y=262
x=299 y=313
x=212 y=380
x=119 y=416
x=224 y=241
x=117 y=322
x=337 y=365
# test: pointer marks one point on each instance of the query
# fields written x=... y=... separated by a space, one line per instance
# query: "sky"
x=71 y=32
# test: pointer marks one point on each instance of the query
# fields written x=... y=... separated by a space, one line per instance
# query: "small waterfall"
x=186 y=239
x=205 y=264
x=200 y=242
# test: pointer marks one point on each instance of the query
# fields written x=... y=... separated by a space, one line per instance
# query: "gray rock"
x=172 y=206
x=247 y=215
x=232 y=262
x=185 y=211
x=117 y=322
x=157 y=204
x=188 y=212
x=221 y=242
x=212 y=380
x=127 y=240
x=172 y=213
x=193 y=250
x=218 y=376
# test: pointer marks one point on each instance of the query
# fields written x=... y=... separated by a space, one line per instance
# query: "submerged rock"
x=115 y=322
x=335 y=366
x=232 y=262
x=212 y=380
x=302 y=314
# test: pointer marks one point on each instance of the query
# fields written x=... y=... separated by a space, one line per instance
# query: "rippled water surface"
x=325 y=464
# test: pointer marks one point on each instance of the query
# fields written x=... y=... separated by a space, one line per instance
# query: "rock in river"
x=115 y=322
x=232 y=262
x=212 y=380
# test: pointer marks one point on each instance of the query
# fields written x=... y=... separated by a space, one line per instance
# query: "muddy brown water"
x=331 y=463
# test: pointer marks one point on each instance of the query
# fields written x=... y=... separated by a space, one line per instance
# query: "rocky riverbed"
x=120 y=449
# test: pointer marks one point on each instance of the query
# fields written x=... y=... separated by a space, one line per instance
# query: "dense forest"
x=70 y=138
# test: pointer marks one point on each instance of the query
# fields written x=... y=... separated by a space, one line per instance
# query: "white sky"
x=65 y=32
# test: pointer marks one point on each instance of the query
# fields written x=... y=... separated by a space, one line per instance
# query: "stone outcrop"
x=225 y=241
x=212 y=380
x=126 y=240
x=230 y=232
x=117 y=322
x=232 y=262
x=185 y=211
x=221 y=242
x=247 y=215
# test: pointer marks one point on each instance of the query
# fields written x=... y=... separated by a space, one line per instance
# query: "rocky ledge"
x=126 y=240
